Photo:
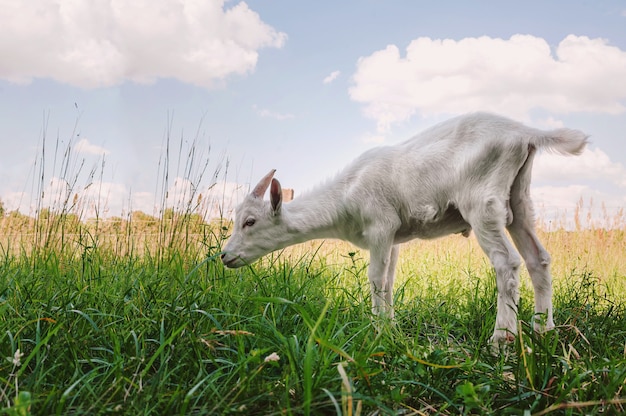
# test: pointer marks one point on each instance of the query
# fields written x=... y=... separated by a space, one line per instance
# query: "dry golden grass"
x=458 y=260
x=597 y=250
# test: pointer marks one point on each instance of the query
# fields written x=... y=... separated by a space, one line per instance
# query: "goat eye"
x=249 y=222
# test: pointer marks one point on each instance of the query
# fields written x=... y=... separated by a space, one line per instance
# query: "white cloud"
x=143 y=201
x=102 y=43
x=181 y=194
x=557 y=198
x=591 y=165
x=56 y=195
x=213 y=201
x=83 y=146
x=331 y=77
x=98 y=198
x=373 y=138
x=102 y=199
x=595 y=188
x=222 y=198
x=557 y=206
x=550 y=123
x=510 y=77
x=265 y=113
x=14 y=201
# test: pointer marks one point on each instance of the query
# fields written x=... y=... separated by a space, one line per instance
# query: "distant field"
x=138 y=316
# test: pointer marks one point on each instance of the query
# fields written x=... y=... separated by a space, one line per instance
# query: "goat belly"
x=451 y=222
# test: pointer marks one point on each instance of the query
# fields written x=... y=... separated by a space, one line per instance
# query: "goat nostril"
x=222 y=256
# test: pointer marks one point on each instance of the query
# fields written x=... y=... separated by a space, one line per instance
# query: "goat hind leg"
x=535 y=255
x=537 y=262
x=488 y=225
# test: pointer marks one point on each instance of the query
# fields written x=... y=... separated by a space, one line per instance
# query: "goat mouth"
x=232 y=262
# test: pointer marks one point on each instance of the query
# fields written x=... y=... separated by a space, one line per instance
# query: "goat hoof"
x=542 y=328
x=500 y=340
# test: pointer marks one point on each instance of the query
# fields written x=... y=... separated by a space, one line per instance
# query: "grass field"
x=137 y=315
x=123 y=317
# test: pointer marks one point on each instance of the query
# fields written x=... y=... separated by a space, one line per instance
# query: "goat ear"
x=261 y=187
x=276 y=196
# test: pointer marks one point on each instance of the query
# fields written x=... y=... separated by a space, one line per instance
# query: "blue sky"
x=303 y=87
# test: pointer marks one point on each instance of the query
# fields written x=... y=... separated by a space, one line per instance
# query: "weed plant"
x=137 y=315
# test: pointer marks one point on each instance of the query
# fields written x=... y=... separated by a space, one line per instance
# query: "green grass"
x=179 y=334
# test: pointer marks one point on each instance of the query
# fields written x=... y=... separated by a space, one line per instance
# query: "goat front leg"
x=381 y=276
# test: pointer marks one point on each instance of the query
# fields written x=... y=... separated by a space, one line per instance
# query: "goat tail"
x=564 y=141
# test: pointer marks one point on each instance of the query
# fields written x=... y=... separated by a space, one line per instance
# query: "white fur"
x=470 y=172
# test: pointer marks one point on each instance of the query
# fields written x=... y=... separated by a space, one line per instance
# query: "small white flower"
x=272 y=357
x=16 y=360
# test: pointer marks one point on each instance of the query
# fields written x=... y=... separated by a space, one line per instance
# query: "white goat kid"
x=470 y=172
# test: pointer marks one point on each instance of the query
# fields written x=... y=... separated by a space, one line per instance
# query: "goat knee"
x=539 y=263
x=506 y=266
